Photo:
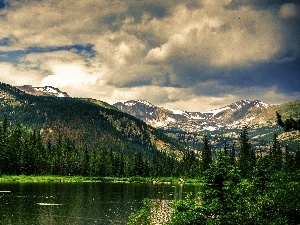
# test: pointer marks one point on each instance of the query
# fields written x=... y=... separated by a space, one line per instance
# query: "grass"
x=42 y=178
x=134 y=179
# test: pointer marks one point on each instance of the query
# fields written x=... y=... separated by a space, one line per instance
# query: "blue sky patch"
x=86 y=51
x=2 y=4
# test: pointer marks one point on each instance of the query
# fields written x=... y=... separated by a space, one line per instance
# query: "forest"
x=24 y=151
x=242 y=185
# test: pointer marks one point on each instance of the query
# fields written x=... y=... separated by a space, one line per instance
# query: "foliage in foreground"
x=143 y=216
x=265 y=191
x=275 y=201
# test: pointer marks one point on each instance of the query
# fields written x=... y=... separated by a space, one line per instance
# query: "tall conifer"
x=206 y=154
x=245 y=153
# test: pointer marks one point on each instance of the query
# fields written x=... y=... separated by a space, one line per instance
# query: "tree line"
x=25 y=151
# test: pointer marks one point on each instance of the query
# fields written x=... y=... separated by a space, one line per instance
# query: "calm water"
x=79 y=203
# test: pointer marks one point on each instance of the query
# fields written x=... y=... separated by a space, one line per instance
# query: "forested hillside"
x=85 y=122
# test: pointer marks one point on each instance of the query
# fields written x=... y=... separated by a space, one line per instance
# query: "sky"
x=193 y=55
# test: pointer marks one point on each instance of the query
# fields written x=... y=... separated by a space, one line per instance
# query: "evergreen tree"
x=138 y=165
x=279 y=120
x=276 y=153
x=260 y=176
x=190 y=164
x=232 y=154
x=225 y=149
x=4 y=155
x=206 y=154
x=245 y=157
x=289 y=161
x=289 y=124
x=221 y=197
x=122 y=165
x=85 y=162
x=297 y=159
x=15 y=151
x=155 y=166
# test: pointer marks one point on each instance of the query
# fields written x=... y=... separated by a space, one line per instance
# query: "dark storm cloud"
x=258 y=4
x=173 y=52
x=284 y=76
x=154 y=9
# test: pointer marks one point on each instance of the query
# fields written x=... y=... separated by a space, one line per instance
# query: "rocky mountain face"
x=235 y=115
x=223 y=124
x=38 y=91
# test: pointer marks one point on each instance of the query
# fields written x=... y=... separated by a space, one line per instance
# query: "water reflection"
x=79 y=203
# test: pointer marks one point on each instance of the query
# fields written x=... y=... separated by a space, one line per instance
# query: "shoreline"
x=81 y=179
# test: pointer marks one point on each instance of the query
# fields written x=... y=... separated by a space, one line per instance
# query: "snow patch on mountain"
x=177 y=111
x=217 y=111
x=145 y=103
x=47 y=90
x=235 y=115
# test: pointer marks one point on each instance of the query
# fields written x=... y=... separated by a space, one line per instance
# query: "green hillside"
x=87 y=122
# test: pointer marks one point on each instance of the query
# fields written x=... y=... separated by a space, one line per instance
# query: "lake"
x=80 y=203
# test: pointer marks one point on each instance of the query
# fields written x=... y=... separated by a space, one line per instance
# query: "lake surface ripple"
x=80 y=203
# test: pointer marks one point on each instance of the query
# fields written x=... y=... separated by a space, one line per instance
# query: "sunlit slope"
x=88 y=122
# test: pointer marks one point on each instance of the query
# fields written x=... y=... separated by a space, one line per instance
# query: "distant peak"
x=145 y=103
x=46 y=90
x=133 y=102
x=253 y=102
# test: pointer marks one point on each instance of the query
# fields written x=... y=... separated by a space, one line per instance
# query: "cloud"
x=218 y=37
x=9 y=71
x=288 y=10
x=69 y=75
x=171 y=52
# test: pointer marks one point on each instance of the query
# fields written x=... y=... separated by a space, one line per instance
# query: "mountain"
x=47 y=90
x=232 y=116
x=87 y=122
x=223 y=124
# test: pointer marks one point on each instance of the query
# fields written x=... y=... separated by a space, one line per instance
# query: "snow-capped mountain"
x=234 y=115
x=47 y=90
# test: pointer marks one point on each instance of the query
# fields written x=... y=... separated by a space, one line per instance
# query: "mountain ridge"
x=223 y=124
x=188 y=127
x=242 y=111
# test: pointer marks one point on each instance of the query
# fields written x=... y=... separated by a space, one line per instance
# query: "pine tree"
x=4 y=158
x=225 y=149
x=85 y=162
x=289 y=162
x=206 y=154
x=122 y=165
x=138 y=164
x=232 y=154
x=15 y=150
x=245 y=153
x=155 y=166
x=279 y=120
x=297 y=159
x=189 y=164
x=276 y=153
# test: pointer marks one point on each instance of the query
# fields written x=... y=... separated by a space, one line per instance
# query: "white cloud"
x=138 y=55
x=219 y=37
x=288 y=10
x=8 y=75
x=69 y=75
